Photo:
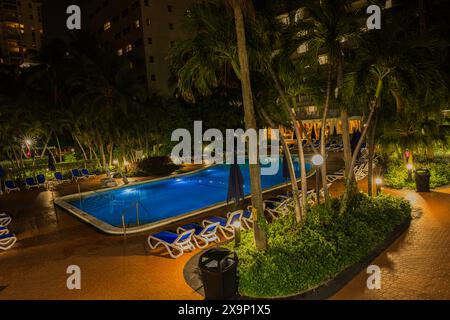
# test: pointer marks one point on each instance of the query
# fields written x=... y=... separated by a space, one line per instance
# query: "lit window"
x=303 y=48
x=137 y=23
x=129 y=48
x=120 y=52
x=323 y=59
x=107 y=26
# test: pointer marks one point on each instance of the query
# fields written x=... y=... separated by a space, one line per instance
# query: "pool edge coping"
x=107 y=228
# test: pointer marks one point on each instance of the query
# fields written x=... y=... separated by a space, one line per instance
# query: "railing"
x=124 y=211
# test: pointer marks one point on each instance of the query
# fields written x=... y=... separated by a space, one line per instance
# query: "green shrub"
x=155 y=166
x=397 y=175
x=301 y=258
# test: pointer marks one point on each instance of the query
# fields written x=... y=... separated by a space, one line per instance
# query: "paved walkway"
x=417 y=265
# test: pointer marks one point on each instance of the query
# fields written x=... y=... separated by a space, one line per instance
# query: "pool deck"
x=114 y=267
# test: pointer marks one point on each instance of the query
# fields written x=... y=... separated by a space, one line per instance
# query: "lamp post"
x=410 y=168
x=317 y=161
x=378 y=183
x=237 y=233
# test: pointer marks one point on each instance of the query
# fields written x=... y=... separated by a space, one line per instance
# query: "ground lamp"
x=237 y=233
x=410 y=168
x=378 y=183
x=317 y=161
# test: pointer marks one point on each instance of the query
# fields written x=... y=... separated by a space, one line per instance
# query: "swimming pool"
x=151 y=203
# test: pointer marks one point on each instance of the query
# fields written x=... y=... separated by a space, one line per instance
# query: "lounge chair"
x=3 y=230
x=60 y=178
x=30 y=182
x=41 y=180
x=5 y=220
x=226 y=226
x=7 y=241
x=11 y=186
x=172 y=242
x=201 y=235
x=77 y=175
x=85 y=172
x=247 y=218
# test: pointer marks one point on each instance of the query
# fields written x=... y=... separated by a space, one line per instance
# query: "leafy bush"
x=301 y=258
x=155 y=166
x=397 y=175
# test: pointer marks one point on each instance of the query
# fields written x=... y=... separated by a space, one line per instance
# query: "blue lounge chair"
x=60 y=178
x=3 y=230
x=247 y=218
x=41 y=180
x=226 y=226
x=85 y=172
x=10 y=186
x=5 y=220
x=201 y=235
x=30 y=182
x=77 y=175
x=7 y=241
x=172 y=242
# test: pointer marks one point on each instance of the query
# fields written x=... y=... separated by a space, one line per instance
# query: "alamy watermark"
x=228 y=149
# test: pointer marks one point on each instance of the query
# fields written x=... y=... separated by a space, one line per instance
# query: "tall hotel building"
x=142 y=31
x=20 y=30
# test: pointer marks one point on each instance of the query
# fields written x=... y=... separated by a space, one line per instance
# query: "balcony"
x=316 y=115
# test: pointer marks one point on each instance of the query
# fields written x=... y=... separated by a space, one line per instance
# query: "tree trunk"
x=292 y=176
x=346 y=142
x=110 y=149
x=59 y=147
x=323 y=150
x=80 y=145
x=250 y=123
x=301 y=154
x=103 y=156
x=422 y=17
x=371 y=143
x=46 y=145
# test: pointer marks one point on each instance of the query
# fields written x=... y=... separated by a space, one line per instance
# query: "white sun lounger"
x=175 y=244
x=7 y=241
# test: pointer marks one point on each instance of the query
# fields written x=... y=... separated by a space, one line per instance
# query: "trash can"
x=218 y=268
x=422 y=180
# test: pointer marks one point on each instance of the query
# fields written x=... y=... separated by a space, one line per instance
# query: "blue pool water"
x=170 y=197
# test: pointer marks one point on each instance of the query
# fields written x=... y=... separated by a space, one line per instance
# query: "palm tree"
x=217 y=55
x=393 y=61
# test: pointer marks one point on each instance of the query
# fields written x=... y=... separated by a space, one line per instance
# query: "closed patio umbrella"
x=51 y=162
x=2 y=174
x=313 y=134
x=235 y=183
x=286 y=173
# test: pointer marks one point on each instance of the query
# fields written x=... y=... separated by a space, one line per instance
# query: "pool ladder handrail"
x=136 y=205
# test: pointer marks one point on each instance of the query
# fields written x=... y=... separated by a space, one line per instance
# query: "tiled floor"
x=417 y=265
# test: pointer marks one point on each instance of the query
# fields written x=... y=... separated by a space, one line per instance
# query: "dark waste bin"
x=422 y=180
x=218 y=267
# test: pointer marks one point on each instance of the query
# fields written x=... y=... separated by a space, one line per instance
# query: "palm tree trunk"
x=301 y=153
x=371 y=143
x=80 y=145
x=323 y=150
x=250 y=123
x=110 y=149
x=59 y=147
x=46 y=145
x=288 y=158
